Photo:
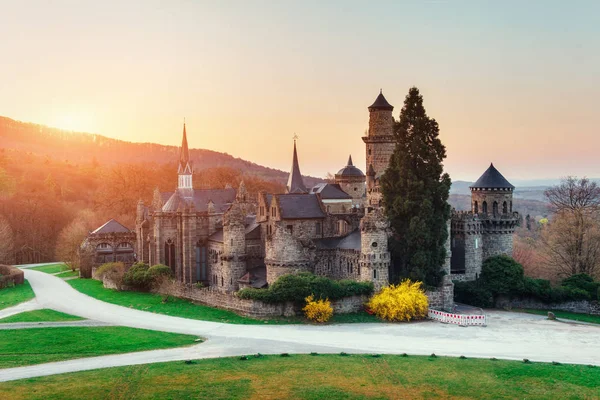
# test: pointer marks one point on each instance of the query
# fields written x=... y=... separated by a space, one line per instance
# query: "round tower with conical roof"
x=352 y=181
x=379 y=144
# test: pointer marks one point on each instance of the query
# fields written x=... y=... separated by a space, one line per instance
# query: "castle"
x=228 y=241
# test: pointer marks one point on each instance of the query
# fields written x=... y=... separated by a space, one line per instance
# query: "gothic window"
x=475 y=207
x=504 y=208
x=374 y=274
x=170 y=254
x=484 y=207
x=318 y=228
x=495 y=208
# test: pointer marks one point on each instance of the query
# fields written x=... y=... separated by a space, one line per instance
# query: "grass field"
x=12 y=296
x=20 y=347
x=51 y=268
x=317 y=378
x=44 y=315
x=186 y=309
x=594 y=319
x=67 y=274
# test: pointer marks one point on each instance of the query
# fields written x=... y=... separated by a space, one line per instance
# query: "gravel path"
x=508 y=335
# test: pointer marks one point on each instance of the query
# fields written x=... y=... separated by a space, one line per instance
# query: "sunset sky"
x=513 y=82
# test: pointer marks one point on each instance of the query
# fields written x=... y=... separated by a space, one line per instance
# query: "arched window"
x=170 y=254
x=104 y=253
x=504 y=208
x=475 y=207
x=201 y=259
x=495 y=208
x=484 y=207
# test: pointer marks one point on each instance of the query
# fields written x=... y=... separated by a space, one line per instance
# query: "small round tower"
x=492 y=203
x=352 y=181
x=234 y=249
x=374 y=257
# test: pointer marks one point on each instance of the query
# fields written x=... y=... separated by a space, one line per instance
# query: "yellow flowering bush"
x=317 y=310
x=404 y=302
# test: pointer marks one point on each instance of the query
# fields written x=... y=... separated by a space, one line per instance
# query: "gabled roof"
x=492 y=179
x=300 y=206
x=330 y=191
x=295 y=182
x=381 y=103
x=112 y=226
x=252 y=230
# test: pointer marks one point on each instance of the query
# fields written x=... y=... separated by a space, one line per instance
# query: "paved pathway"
x=19 y=308
x=508 y=335
x=53 y=324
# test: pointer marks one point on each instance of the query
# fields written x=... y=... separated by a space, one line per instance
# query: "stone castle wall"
x=581 y=306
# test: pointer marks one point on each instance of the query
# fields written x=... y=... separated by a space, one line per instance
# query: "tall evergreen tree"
x=415 y=193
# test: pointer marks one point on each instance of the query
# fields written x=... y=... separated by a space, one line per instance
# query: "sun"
x=78 y=122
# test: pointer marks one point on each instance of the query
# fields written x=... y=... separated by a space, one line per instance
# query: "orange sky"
x=514 y=84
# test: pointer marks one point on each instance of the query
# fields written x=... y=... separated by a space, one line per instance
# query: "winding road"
x=508 y=336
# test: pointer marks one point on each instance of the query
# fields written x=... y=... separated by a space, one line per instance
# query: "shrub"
x=403 y=302
x=159 y=271
x=473 y=293
x=318 y=310
x=502 y=275
x=297 y=287
x=583 y=282
x=138 y=276
x=113 y=271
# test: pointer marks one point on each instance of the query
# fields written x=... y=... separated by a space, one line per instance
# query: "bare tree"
x=572 y=239
x=69 y=242
x=6 y=241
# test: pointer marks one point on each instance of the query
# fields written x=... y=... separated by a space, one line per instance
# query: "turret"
x=234 y=248
x=352 y=181
x=380 y=144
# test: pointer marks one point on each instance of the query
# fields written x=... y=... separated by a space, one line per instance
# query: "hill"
x=81 y=148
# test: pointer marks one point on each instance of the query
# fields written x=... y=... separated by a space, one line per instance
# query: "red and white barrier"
x=458 y=319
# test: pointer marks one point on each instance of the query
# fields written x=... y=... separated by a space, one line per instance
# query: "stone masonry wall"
x=581 y=306
x=495 y=244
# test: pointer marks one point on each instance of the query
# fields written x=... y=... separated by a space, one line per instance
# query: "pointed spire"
x=184 y=155
x=295 y=182
x=371 y=170
x=350 y=164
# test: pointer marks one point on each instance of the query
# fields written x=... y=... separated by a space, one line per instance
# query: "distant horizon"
x=511 y=83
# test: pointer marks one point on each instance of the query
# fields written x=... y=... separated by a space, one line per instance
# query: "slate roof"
x=300 y=206
x=350 y=169
x=222 y=199
x=330 y=191
x=252 y=230
x=492 y=179
x=112 y=226
x=295 y=182
x=349 y=242
x=381 y=103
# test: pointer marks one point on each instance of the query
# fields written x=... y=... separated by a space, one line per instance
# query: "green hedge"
x=141 y=276
x=501 y=275
x=296 y=287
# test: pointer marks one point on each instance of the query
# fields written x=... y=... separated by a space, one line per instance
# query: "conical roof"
x=381 y=103
x=295 y=182
x=492 y=179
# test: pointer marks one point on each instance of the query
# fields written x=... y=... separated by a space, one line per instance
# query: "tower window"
x=374 y=274
x=374 y=244
x=484 y=207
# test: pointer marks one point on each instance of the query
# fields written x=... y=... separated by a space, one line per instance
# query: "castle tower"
x=295 y=182
x=184 y=169
x=352 y=181
x=491 y=202
x=466 y=234
x=380 y=145
x=285 y=254
x=234 y=249
x=374 y=257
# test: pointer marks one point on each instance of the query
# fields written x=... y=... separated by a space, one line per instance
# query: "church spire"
x=185 y=166
x=295 y=182
x=350 y=164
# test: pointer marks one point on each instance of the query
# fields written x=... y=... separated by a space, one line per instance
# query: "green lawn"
x=12 y=296
x=67 y=274
x=319 y=377
x=186 y=309
x=20 y=347
x=44 y=315
x=51 y=268
x=595 y=319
